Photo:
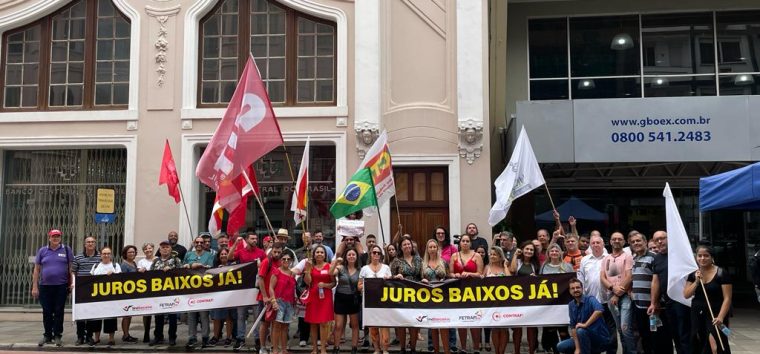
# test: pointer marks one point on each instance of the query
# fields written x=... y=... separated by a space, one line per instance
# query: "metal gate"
x=46 y=189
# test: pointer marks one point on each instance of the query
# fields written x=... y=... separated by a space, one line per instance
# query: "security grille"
x=46 y=189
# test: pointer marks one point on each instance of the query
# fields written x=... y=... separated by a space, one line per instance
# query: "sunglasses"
x=376 y=252
x=286 y=259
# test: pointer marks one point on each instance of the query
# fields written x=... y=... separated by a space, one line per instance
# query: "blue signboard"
x=105 y=218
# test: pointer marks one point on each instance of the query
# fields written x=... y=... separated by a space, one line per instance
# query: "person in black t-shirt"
x=672 y=313
x=717 y=284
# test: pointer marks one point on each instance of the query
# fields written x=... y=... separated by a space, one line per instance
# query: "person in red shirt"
x=248 y=252
x=245 y=252
x=268 y=266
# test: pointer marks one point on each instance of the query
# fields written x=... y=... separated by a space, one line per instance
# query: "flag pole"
x=546 y=186
x=398 y=212
x=187 y=215
x=709 y=307
x=379 y=217
x=261 y=205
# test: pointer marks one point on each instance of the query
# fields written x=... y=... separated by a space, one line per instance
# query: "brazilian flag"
x=358 y=194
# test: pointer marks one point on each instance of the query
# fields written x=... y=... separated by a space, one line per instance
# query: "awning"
x=736 y=189
x=576 y=208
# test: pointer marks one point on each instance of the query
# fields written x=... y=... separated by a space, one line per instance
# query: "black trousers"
x=53 y=300
x=675 y=330
x=158 y=333
x=641 y=324
x=107 y=325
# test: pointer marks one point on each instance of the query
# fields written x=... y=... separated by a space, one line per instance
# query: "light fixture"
x=621 y=41
x=660 y=82
x=743 y=79
x=586 y=84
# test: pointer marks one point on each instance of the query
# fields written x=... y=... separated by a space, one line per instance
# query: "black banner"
x=123 y=286
x=469 y=302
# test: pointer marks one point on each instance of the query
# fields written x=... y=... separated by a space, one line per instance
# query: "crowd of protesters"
x=618 y=294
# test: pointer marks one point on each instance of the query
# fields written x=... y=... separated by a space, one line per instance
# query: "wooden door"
x=423 y=201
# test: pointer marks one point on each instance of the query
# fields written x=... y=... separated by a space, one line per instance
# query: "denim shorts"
x=285 y=312
x=222 y=314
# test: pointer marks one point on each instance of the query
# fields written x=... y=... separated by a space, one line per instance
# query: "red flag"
x=300 y=201
x=168 y=174
x=248 y=131
x=215 y=221
x=236 y=217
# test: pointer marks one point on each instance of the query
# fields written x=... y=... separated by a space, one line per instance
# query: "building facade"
x=92 y=89
x=619 y=98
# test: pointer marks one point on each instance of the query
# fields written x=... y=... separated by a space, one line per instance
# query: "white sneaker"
x=385 y=352
x=263 y=351
x=303 y=344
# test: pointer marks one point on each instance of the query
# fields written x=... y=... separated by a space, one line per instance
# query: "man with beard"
x=475 y=240
x=319 y=239
x=244 y=253
x=508 y=245
x=616 y=280
x=675 y=328
x=587 y=330
x=178 y=249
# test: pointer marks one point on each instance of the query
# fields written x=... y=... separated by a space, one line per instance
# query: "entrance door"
x=423 y=201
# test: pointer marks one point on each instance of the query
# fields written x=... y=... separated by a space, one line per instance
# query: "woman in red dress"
x=464 y=264
x=319 y=309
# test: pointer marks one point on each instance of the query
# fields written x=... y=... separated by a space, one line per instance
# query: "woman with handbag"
x=319 y=309
x=348 y=299
x=376 y=269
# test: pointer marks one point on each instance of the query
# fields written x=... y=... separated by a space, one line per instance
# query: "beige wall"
x=419 y=101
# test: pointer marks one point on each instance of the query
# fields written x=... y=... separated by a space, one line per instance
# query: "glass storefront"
x=46 y=189
x=276 y=185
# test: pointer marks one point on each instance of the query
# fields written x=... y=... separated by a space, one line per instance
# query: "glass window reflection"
x=548 y=48
x=674 y=43
x=738 y=41
x=604 y=46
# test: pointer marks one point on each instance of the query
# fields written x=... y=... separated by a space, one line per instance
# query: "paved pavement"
x=22 y=330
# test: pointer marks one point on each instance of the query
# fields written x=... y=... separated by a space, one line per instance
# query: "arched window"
x=75 y=58
x=295 y=53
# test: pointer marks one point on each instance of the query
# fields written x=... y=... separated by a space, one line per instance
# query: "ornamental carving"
x=162 y=41
x=366 y=134
x=470 y=139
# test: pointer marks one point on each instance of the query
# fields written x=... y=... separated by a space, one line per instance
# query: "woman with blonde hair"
x=497 y=267
x=434 y=269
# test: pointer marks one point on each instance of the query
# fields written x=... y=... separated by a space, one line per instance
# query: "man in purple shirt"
x=50 y=283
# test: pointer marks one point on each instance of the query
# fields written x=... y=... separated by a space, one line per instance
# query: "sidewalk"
x=22 y=331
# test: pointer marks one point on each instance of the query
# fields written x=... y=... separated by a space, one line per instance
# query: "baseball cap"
x=268 y=239
x=54 y=232
x=165 y=242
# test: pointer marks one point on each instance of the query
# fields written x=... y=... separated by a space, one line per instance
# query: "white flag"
x=300 y=202
x=521 y=176
x=681 y=261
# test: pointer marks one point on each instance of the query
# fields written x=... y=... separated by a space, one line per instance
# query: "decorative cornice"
x=162 y=42
x=470 y=139
x=366 y=134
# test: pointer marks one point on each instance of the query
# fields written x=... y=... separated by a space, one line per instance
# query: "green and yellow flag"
x=358 y=194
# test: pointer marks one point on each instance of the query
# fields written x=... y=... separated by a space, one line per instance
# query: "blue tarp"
x=573 y=207
x=736 y=189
